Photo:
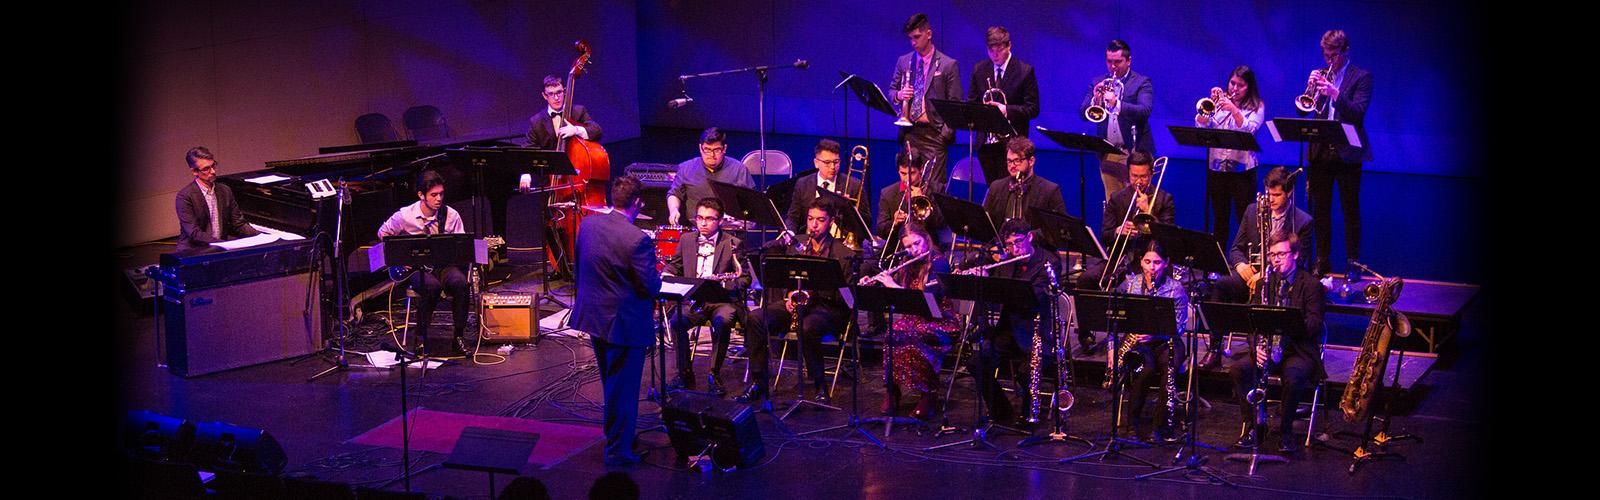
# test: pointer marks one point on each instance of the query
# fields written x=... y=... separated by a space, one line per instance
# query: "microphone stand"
x=761 y=104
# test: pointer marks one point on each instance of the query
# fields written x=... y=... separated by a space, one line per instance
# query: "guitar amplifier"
x=509 y=316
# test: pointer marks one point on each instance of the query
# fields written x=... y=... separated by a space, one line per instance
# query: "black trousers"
x=428 y=285
x=935 y=140
x=1295 y=372
x=1325 y=171
x=815 y=321
x=1230 y=193
x=722 y=317
x=1146 y=365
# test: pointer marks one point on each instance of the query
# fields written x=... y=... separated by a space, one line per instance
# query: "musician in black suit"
x=1341 y=95
x=1008 y=198
x=704 y=253
x=827 y=312
x=826 y=157
x=617 y=284
x=1141 y=175
x=931 y=75
x=1015 y=79
x=1283 y=217
x=1301 y=362
x=1010 y=339
x=203 y=203
x=546 y=127
x=894 y=206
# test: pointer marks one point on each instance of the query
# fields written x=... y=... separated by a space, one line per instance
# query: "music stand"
x=806 y=273
x=1083 y=144
x=891 y=301
x=1064 y=231
x=676 y=289
x=511 y=162
x=1006 y=292
x=432 y=251
x=748 y=205
x=1257 y=320
x=851 y=220
x=974 y=118
x=491 y=450
x=1313 y=131
x=1114 y=312
x=966 y=219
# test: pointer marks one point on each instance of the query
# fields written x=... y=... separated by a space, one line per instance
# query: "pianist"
x=429 y=215
x=202 y=204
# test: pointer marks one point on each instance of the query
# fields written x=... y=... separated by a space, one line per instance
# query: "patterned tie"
x=216 y=222
x=918 y=85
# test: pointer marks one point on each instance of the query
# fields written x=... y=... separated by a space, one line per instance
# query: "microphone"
x=1296 y=172
x=801 y=63
x=680 y=102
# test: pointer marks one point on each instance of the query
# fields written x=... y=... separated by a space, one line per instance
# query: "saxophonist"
x=825 y=313
x=1004 y=343
x=708 y=253
x=1300 y=363
x=1147 y=359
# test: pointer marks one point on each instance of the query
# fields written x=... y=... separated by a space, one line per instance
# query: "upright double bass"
x=588 y=187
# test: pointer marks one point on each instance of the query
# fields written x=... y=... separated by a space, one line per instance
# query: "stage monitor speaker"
x=695 y=421
x=510 y=316
x=221 y=446
x=242 y=324
x=151 y=435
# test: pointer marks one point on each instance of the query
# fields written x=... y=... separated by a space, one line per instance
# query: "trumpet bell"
x=1205 y=106
x=1095 y=114
x=1305 y=103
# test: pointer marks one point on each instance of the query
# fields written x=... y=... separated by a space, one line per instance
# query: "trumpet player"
x=1341 y=93
x=1230 y=173
x=1126 y=98
x=1147 y=360
x=707 y=253
x=1018 y=90
x=926 y=73
x=1005 y=343
x=1299 y=363
x=824 y=313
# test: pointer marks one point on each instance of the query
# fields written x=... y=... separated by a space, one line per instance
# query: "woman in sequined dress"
x=919 y=344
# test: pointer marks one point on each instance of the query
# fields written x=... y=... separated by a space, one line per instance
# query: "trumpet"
x=1208 y=105
x=904 y=118
x=1306 y=102
x=1098 y=109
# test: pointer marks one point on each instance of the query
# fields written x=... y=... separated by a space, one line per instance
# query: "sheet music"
x=257 y=240
x=267 y=179
x=283 y=235
x=678 y=289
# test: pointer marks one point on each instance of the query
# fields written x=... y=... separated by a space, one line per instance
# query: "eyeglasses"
x=1017 y=161
x=207 y=168
x=1277 y=255
x=556 y=93
x=829 y=162
x=715 y=151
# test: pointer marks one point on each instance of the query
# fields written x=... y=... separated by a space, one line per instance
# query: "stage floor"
x=556 y=382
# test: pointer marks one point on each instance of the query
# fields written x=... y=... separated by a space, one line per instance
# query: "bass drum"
x=666 y=244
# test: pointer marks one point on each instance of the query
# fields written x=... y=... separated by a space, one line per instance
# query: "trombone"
x=1098 y=107
x=1306 y=102
x=856 y=184
x=1141 y=222
x=921 y=208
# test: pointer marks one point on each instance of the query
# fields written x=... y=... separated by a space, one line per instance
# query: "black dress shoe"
x=756 y=392
x=1246 y=441
x=714 y=385
x=822 y=395
x=1288 y=444
x=459 y=346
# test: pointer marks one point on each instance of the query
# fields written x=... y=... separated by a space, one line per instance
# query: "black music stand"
x=870 y=95
x=1313 y=131
x=749 y=205
x=1064 y=231
x=492 y=450
x=1004 y=292
x=1083 y=144
x=1213 y=138
x=975 y=118
x=806 y=273
x=851 y=220
x=1258 y=320
x=966 y=219
x=676 y=289
x=512 y=161
x=422 y=251
x=881 y=300
x=1114 y=313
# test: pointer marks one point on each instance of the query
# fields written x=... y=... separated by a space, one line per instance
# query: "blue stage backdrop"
x=1418 y=53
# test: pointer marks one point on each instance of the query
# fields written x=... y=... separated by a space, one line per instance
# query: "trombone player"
x=1008 y=84
x=826 y=156
x=909 y=200
x=1011 y=197
x=1118 y=223
x=1119 y=103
